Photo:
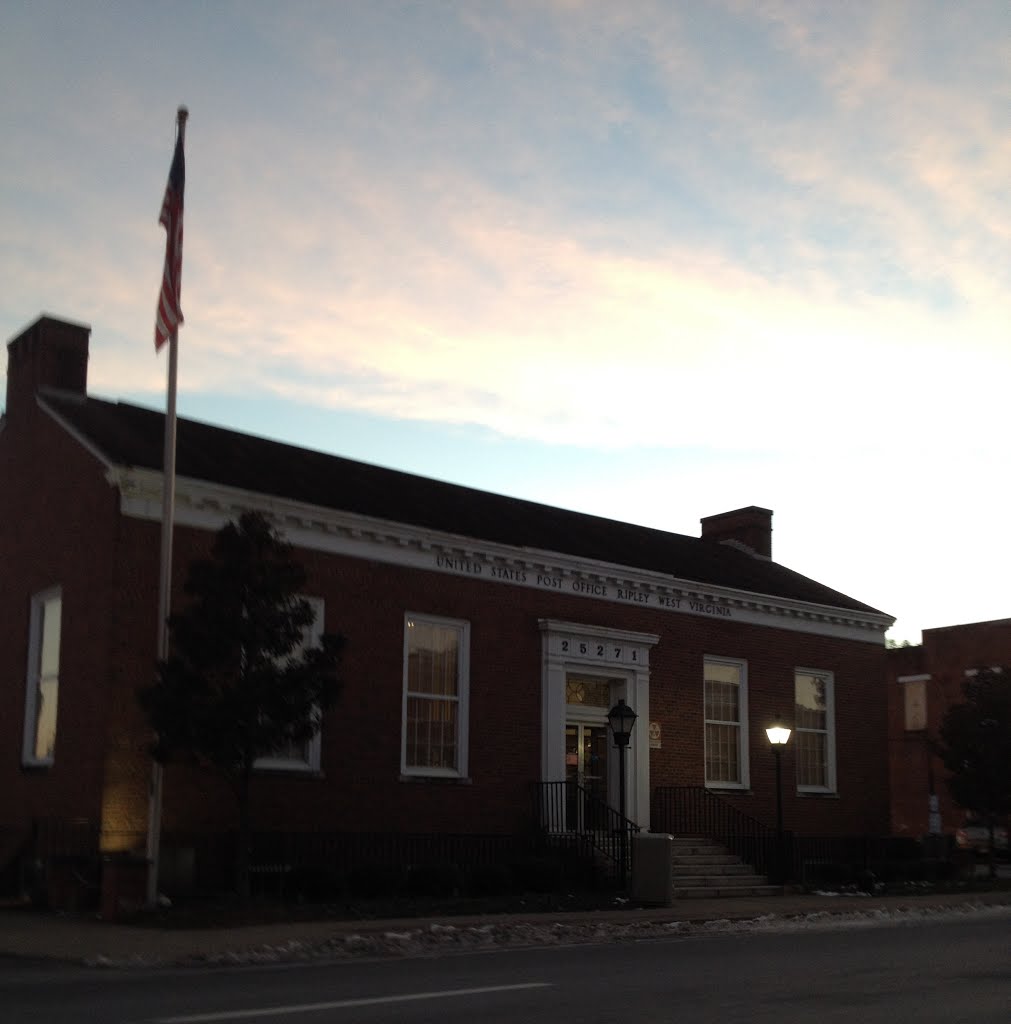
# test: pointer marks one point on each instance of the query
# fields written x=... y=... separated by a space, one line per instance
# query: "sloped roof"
x=129 y=435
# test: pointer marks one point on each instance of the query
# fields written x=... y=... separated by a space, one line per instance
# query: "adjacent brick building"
x=486 y=638
x=923 y=682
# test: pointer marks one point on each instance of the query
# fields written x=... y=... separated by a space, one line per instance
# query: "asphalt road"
x=921 y=972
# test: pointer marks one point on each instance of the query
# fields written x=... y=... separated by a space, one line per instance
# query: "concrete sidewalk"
x=88 y=940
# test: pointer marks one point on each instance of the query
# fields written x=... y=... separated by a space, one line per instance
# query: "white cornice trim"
x=209 y=506
x=598 y=632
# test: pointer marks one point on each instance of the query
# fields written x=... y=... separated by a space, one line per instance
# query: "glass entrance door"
x=586 y=765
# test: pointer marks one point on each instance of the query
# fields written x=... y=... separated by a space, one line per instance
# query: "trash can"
x=652 y=869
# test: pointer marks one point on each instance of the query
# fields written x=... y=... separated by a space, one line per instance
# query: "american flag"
x=170 y=314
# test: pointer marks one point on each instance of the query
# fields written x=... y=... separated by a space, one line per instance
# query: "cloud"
x=579 y=224
x=565 y=336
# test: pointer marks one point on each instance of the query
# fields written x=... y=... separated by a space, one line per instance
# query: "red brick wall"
x=860 y=804
x=59 y=521
x=132 y=659
x=361 y=785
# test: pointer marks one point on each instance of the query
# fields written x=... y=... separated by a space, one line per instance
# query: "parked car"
x=975 y=836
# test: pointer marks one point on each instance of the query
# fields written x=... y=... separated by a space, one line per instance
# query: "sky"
x=650 y=261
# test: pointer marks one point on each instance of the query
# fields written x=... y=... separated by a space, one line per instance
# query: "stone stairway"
x=702 y=869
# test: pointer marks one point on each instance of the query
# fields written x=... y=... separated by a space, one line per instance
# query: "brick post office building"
x=487 y=638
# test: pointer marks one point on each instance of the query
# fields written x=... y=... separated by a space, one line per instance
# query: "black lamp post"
x=778 y=736
x=621 y=718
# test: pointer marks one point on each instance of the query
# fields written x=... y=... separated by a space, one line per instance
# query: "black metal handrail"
x=695 y=811
x=567 y=808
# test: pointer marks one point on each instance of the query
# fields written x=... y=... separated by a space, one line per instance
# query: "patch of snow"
x=438 y=938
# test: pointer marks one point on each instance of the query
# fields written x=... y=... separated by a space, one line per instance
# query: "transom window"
x=814 y=726
x=589 y=692
x=436 y=685
x=726 y=702
x=43 y=684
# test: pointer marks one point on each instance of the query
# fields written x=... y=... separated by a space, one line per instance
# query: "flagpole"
x=164 y=579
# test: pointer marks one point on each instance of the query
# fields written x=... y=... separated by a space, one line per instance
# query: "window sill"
x=438 y=780
x=728 y=787
x=817 y=794
x=293 y=772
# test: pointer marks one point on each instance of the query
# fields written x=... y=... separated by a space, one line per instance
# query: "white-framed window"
x=299 y=756
x=436 y=696
x=814 y=730
x=42 y=689
x=726 y=719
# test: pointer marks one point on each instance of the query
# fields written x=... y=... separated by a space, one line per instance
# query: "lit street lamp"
x=778 y=736
x=621 y=718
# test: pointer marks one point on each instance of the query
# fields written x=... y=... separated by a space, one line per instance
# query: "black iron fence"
x=342 y=852
x=60 y=863
x=863 y=861
x=323 y=865
x=578 y=840
x=65 y=838
x=869 y=861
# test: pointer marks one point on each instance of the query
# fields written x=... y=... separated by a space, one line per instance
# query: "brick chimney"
x=747 y=528
x=49 y=353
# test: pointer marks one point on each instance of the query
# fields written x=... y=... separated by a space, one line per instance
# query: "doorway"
x=585 y=671
x=586 y=766
x=586 y=752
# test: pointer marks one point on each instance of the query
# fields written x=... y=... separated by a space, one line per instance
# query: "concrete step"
x=680 y=870
x=698 y=849
x=705 y=858
x=718 y=892
x=704 y=869
x=724 y=881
